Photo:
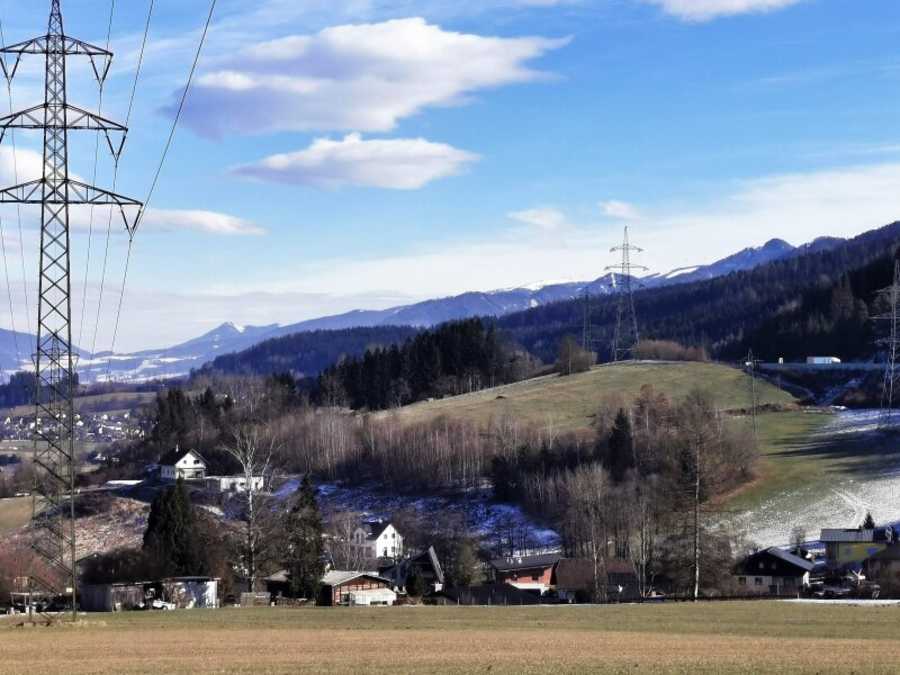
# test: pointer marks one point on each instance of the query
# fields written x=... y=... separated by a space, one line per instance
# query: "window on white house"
x=758 y=581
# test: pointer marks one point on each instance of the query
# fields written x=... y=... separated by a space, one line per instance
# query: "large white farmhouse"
x=184 y=464
x=378 y=540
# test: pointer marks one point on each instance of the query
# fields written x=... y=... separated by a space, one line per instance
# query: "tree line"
x=455 y=358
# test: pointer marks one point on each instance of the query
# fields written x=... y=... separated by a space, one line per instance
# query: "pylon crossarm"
x=101 y=59
x=75 y=118
x=25 y=193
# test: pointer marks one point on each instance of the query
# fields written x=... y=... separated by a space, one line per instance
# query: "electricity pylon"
x=891 y=295
x=54 y=427
x=626 y=336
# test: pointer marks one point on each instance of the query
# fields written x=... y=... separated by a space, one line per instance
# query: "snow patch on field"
x=842 y=503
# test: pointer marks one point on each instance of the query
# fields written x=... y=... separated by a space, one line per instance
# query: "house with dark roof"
x=773 y=571
x=426 y=564
x=378 y=540
x=533 y=573
x=573 y=581
x=184 y=464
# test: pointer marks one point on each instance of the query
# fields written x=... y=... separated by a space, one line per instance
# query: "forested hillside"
x=819 y=301
x=456 y=358
x=813 y=302
x=308 y=354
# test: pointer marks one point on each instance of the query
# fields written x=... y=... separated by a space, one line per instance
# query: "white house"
x=378 y=540
x=187 y=465
x=237 y=484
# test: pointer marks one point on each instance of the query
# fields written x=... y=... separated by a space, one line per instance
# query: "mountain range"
x=179 y=360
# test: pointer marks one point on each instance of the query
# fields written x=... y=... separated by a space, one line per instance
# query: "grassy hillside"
x=749 y=637
x=570 y=403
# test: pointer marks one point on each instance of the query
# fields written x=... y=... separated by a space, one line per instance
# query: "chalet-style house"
x=355 y=588
x=234 y=484
x=378 y=540
x=773 y=572
x=184 y=464
x=533 y=573
x=425 y=563
x=849 y=549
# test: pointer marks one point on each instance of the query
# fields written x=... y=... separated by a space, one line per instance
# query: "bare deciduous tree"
x=253 y=448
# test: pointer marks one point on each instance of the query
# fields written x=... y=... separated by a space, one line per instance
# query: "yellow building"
x=850 y=548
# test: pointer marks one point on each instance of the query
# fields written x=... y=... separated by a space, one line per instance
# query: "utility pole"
x=626 y=336
x=54 y=428
x=754 y=399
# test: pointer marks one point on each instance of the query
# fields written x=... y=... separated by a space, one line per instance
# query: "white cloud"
x=620 y=210
x=797 y=207
x=399 y=164
x=705 y=10
x=208 y=222
x=363 y=77
x=545 y=218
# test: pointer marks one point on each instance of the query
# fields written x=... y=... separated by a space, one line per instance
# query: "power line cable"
x=115 y=180
x=184 y=95
x=87 y=264
x=12 y=316
x=15 y=158
x=162 y=161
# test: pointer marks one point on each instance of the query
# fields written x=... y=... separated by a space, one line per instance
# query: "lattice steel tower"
x=55 y=191
x=626 y=336
x=891 y=342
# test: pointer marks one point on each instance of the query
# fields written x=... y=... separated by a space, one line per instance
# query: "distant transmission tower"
x=891 y=295
x=55 y=191
x=626 y=336
x=587 y=340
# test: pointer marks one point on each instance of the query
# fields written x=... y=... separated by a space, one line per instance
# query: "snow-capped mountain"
x=178 y=360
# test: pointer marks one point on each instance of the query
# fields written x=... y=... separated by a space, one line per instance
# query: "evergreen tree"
x=171 y=537
x=620 y=456
x=465 y=565
x=415 y=584
x=869 y=522
x=303 y=534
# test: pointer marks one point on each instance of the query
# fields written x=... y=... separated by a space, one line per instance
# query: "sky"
x=342 y=154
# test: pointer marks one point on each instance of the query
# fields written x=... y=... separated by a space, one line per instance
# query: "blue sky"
x=363 y=153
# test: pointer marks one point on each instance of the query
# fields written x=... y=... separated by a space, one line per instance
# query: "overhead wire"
x=87 y=264
x=12 y=314
x=158 y=173
x=115 y=180
x=15 y=155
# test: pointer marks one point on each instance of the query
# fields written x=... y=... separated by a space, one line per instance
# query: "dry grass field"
x=14 y=513
x=708 y=638
x=570 y=403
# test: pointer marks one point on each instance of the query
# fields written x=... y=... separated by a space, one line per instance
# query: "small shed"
x=118 y=597
x=499 y=595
